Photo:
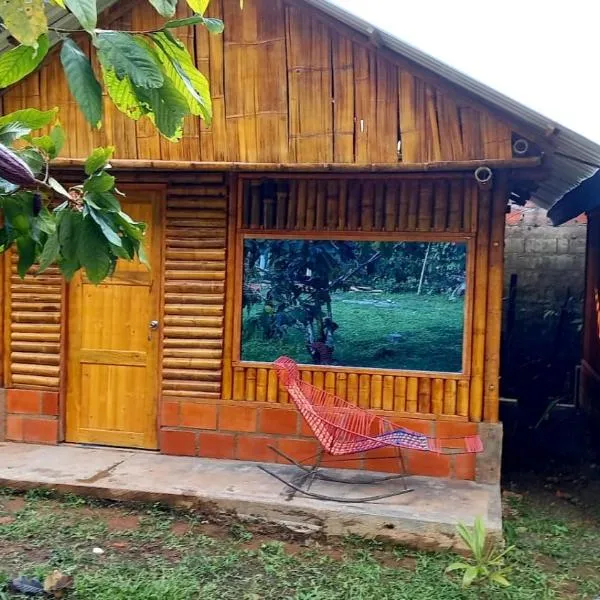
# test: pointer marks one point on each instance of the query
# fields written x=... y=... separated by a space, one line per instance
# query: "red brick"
x=178 y=443
x=23 y=402
x=50 y=403
x=305 y=430
x=464 y=466
x=450 y=429
x=199 y=416
x=217 y=445
x=427 y=463
x=42 y=431
x=279 y=421
x=382 y=459
x=14 y=428
x=298 y=449
x=237 y=418
x=169 y=414
x=254 y=447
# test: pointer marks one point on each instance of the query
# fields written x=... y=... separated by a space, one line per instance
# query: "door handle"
x=152 y=326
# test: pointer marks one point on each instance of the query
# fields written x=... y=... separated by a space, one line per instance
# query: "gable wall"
x=289 y=85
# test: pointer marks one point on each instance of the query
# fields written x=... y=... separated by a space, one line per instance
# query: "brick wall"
x=245 y=432
x=550 y=264
x=32 y=416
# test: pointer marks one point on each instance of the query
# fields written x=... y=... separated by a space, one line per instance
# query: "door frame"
x=160 y=229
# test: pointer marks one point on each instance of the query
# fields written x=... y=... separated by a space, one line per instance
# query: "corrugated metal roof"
x=566 y=173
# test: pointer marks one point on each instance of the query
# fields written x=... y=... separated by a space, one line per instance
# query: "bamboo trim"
x=388 y=168
x=400 y=236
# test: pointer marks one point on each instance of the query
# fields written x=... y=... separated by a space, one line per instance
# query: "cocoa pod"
x=14 y=169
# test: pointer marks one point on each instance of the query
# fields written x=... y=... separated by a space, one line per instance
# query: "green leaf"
x=122 y=94
x=167 y=107
x=98 y=159
x=82 y=82
x=19 y=62
x=25 y=20
x=94 y=252
x=50 y=253
x=11 y=132
x=184 y=22
x=165 y=7
x=457 y=566
x=214 y=26
x=58 y=137
x=57 y=187
x=34 y=159
x=60 y=3
x=101 y=182
x=69 y=229
x=469 y=576
x=69 y=267
x=499 y=579
x=26 y=248
x=85 y=12
x=198 y=6
x=181 y=70
x=103 y=201
x=120 y=51
x=32 y=118
x=107 y=227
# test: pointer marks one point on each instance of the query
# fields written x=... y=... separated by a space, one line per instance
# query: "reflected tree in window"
x=376 y=304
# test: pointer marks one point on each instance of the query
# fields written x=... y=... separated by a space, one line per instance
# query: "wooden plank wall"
x=427 y=208
x=32 y=328
x=289 y=85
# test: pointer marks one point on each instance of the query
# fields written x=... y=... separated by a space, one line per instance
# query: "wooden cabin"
x=586 y=199
x=324 y=129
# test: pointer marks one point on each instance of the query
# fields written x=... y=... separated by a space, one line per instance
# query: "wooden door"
x=113 y=349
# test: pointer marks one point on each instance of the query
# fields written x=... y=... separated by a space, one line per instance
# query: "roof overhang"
x=584 y=198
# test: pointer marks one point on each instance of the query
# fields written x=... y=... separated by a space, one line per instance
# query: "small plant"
x=487 y=561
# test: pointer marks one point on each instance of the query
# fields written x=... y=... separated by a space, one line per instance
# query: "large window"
x=372 y=304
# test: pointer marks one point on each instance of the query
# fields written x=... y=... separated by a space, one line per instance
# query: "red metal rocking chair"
x=343 y=429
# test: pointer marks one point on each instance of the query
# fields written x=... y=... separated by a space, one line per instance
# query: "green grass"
x=153 y=553
x=430 y=329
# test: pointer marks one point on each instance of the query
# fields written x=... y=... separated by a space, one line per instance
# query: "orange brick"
x=427 y=463
x=305 y=430
x=450 y=429
x=178 y=443
x=50 y=403
x=419 y=425
x=23 y=401
x=42 y=431
x=464 y=466
x=279 y=421
x=237 y=418
x=169 y=414
x=14 y=428
x=199 y=416
x=382 y=459
x=297 y=449
x=254 y=447
x=217 y=445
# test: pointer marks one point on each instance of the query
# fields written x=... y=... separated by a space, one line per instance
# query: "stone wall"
x=543 y=345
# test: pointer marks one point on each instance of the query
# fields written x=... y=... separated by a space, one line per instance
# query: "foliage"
x=147 y=74
x=487 y=562
x=82 y=227
x=293 y=281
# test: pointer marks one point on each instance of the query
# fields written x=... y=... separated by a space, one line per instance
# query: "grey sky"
x=542 y=53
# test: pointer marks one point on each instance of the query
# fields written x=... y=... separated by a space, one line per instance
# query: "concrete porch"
x=425 y=518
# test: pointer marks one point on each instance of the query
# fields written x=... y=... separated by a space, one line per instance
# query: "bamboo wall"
x=451 y=208
x=289 y=85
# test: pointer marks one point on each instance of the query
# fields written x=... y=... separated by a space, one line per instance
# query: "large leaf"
x=11 y=132
x=26 y=247
x=106 y=201
x=32 y=118
x=100 y=183
x=82 y=82
x=181 y=70
x=198 y=6
x=120 y=52
x=85 y=11
x=69 y=230
x=165 y=7
x=106 y=226
x=98 y=159
x=94 y=251
x=122 y=94
x=19 y=62
x=167 y=107
x=50 y=253
x=213 y=25
x=25 y=19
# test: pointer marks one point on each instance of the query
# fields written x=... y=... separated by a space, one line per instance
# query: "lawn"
x=154 y=553
x=427 y=333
